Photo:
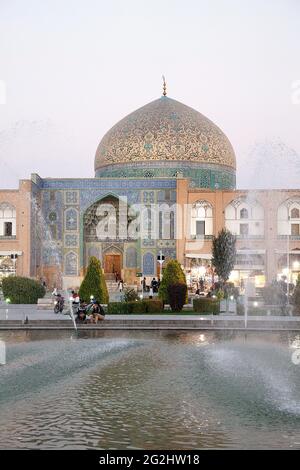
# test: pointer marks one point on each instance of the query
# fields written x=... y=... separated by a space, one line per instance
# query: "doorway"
x=112 y=264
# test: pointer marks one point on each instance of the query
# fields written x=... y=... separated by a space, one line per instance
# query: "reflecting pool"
x=149 y=390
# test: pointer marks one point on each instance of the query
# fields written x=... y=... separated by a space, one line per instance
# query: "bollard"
x=2 y=353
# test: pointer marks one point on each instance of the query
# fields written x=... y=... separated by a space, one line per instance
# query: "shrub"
x=22 y=290
x=274 y=293
x=136 y=307
x=240 y=308
x=130 y=294
x=94 y=283
x=153 y=306
x=206 y=305
x=172 y=274
x=116 y=308
x=229 y=290
x=177 y=296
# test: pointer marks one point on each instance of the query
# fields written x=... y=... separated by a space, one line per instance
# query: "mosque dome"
x=165 y=138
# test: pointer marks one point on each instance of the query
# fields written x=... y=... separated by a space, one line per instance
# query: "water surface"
x=149 y=390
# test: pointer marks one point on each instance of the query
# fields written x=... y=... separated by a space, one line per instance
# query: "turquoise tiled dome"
x=164 y=134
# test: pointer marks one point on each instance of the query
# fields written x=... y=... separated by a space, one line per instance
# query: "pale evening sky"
x=70 y=69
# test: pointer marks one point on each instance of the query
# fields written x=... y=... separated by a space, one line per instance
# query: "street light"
x=160 y=259
x=14 y=258
x=7 y=300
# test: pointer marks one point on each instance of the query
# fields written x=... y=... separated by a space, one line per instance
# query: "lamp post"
x=161 y=260
x=14 y=258
x=6 y=310
x=2 y=353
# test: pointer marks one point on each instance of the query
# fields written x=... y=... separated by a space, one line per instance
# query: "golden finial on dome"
x=164 y=86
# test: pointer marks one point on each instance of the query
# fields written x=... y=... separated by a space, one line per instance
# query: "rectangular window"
x=161 y=196
x=53 y=232
x=160 y=225
x=295 y=229
x=52 y=196
x=172 y=225
x=244 y=229
x=200 y=227
x=7 y=229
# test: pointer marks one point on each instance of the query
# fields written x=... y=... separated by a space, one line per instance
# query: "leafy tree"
x=94 y=283
x=172 y=274
x=224 y=254
x=177 y=295
x=22 y=290
x=274 y=293
x=296 y=298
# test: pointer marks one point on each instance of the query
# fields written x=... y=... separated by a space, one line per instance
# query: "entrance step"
x=45 y=304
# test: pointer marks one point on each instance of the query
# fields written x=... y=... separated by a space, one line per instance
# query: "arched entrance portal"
x=109 y=246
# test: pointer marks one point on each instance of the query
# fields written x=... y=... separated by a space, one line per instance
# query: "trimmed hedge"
x=206 y=305
x=153 y=306
x=135 y=307
x=115 y=308
x=22 y=290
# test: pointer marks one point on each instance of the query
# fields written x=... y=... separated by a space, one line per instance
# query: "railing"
x=239 y=237
x=201 y=237
x=241 y=265
x=8 y=237
x=292 y=237
x=249 y=236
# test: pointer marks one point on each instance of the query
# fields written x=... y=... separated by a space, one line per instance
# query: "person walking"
x=151 y=293
x=154 y=284
x=55 y=292
x=121 y=285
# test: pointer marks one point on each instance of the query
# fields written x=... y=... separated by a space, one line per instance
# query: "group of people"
x=90 y=313
x=153 y=288
x=85 y=312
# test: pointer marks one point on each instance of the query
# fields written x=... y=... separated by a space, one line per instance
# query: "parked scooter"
x=59 y=304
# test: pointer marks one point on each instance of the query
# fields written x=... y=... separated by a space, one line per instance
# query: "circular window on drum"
x=52 y=216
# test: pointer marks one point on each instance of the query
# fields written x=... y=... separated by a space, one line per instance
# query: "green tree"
x=172 y=274
x=296 y=297
x=224 y=254
x=22 y=290
x=177 y=295
x=94 y=283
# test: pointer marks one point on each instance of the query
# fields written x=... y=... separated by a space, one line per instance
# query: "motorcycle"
x=59 y=304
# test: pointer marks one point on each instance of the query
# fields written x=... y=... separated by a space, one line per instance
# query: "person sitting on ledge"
x=81 y=313
x=97 y=312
